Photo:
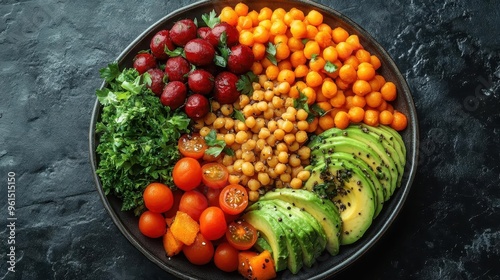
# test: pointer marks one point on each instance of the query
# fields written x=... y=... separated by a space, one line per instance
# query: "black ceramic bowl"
x=326 y=265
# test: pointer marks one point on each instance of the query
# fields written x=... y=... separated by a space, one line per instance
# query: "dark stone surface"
x=51 y=51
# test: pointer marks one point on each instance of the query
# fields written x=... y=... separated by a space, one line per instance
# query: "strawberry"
x=197 y=106
x=201 y=81
x=174 y=94
x=240 y=59
x=158 y=43
x=143 y=62
x=199 y=52
x=183 y=31
x=177 y=69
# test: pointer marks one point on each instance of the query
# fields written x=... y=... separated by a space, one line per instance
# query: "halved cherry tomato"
x=233 y=199
x=200 y=252
x=214 y=175
x=192 y=145
x=241 y=235
x=213 y=223
x=187 y=173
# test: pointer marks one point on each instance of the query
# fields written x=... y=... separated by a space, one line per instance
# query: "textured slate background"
x=50 y=54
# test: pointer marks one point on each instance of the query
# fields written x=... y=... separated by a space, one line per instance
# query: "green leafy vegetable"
x=224 y=51
x=271 y=53
x=176 y=52
x=216 y=146
x=237 y=114
x=137 y=137
x=330 y=67
x=312 y=112
x=210 y=19
x=245 y=83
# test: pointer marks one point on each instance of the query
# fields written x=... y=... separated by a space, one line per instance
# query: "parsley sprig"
x=216 y=147
x=312 y=111
x=245 y=83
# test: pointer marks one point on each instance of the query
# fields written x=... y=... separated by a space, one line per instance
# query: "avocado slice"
x=262 y=245
x=301 y=222
x=354 y=162
x=323 y=210
x=354 y=197
x=294 y=260
x=355 y=147
x=273 y=233
x=390 y=138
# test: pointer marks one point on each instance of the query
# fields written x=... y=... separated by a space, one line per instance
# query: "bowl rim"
x=405 y=187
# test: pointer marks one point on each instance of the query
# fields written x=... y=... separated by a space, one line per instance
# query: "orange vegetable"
x=184 y=228
x=243 y=262
x=171 y=245
x=262 y=266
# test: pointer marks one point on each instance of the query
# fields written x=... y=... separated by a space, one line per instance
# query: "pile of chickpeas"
x=269 y=146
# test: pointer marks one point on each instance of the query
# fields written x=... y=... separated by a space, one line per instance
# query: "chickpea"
x=269 y=86
x=237 y=165
x=304 y=152
x=229 y=123
x=289 y=138
x=250 y=122
x=219 y=123
x=204 y=131
x=260 y=144
x=301 y=136
x=294 y=147
x=273 y=161
x=283 y=157
x=248 y=111
x=287 y=126
x=282 y=147
x=248 y=156
x=296 y=171
x=248 y=169
x=209 y=118
x=226 y=109
x=295 y=183
x=262 y=106
x=279 y=134
x=253 y=184
x=215 y=105
x=272 y=125
x=280 y=168
x=263 y=178
x=233 y=179
x=241 y=126
x=269 y=95
x=241 y=137
x=302 y=115
x=244 y=100
x=302 y=125
x=294 y=160
x=198 y=124
x=253 y=195
x=304 y=175
x=264 y=133
x=260 y=166
x=266 y=152
x=285 y=178
x=227 y=160
x=271 y=140
x=269 y=113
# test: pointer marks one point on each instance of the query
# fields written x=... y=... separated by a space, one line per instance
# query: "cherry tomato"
x=175 y=207
x=241 y=235
x=214 y=175
x=187 y=174
x=213 y=223
x=158 y=197
x=233 y=199
x=200 y=252
x=212 y=195
x=192 y=145
x=152 y=224
x=226 y=257
x=193 y=203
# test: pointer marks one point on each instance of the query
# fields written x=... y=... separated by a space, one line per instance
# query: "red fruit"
x=240 y=59
x=157 y=82
x=197 y=106
x=158 y=43
x=225 y=91
x=143 y=62
x=177 y=69
x=174 y=94
x=182 y=32
x=201 y=81
x=199 y=52
x=203 y=32
x=232 y=34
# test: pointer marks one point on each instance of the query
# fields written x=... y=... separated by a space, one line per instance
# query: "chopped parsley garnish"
x=136 y=135
x=245 y=83
x=216 y=147
x=271 y=53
